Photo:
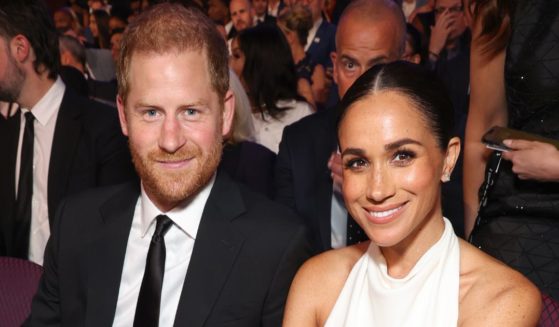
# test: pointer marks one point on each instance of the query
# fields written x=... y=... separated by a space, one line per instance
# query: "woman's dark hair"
x=102 y=19
x=269 y=71
x=31 y=18
x=494 y=19
x=422 y=87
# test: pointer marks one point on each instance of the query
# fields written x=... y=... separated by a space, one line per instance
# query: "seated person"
x=395 y=139
x=244 y=160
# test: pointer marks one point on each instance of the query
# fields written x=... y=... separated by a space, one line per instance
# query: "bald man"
x=369 y=32
x=242 y=14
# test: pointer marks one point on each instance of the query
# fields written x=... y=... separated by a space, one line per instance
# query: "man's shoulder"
x=96 y=197
x=90 y=112
x=324 y=120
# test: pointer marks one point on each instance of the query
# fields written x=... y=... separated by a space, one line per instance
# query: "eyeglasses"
x=452 y=10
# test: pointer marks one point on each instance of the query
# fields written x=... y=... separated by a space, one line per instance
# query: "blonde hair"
x=243 y=126
x=297 y=18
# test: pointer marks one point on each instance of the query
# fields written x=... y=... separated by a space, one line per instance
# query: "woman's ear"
x=451 y=156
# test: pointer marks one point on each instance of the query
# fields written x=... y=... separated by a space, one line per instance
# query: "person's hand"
x=428 y=7
x=440 y=32
x=533 y=160
x=336 y=170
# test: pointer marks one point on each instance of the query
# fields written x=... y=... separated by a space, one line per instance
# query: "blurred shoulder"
x=492 y=294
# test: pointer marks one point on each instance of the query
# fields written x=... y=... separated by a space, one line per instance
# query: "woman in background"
x=515 y=83
x=99 y=26
x=262 y=59
x=295 y=23
x=247 y=162
x=395 y=139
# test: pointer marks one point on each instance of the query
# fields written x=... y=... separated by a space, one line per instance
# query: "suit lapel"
x=324 y=181
x=66 y=137
x=105 y=256
x=215 y=250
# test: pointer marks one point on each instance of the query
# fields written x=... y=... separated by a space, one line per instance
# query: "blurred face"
x=175 y=123
x=11 y=75
x=315 y=6
x=237 y=59
x=218 y=11
x=115 y=45
x=115 y=23
x=359 y=46
x=62 y=21
x=392 y=169
x=454 y=12
x=260 y=7
x=93 y=26
x=241 y=14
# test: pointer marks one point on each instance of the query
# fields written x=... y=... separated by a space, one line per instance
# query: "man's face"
x=241 y=14
x=361 y=44
x=453 y=11
x=175 y=123
x=260 y=7
x=12 y=76
x=62 y=21
x=315 y=6
x=218 y=11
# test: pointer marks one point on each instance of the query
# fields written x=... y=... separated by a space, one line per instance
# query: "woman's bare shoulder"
x=318 y=283
x=492 y=294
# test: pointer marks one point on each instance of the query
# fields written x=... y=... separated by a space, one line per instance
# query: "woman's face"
x=237 y=59
x=93 y=26
x=392 y=168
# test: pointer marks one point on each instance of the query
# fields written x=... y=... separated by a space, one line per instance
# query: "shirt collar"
x=187 y=215
x=49 y=104
x=312 y=33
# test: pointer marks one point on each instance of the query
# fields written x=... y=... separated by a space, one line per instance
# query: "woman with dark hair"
x=515 y=83
x=397 y=148
x=295 y=23
x=99 y=26
x=262 y=59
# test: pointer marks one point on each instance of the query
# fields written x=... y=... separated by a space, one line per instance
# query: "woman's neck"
x=402 y=257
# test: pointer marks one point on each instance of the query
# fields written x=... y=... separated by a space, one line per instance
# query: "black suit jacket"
x=88 y=150
x=245 y=255
x=323 y=44
x=302 y=176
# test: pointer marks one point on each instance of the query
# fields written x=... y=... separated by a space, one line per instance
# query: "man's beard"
x=172 y=187
x=11 y=86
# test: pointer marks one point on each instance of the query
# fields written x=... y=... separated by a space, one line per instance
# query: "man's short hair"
x=170 y=27
x=74 y=47
x=31 y=19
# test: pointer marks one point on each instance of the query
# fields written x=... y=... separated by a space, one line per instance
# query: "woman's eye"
x=355 y=163
x=403 y=157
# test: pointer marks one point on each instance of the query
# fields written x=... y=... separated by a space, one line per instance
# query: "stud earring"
x=446 y=177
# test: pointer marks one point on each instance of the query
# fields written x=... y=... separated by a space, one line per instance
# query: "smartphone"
x=495 y=136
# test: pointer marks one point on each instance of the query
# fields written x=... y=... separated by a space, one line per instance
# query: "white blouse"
x=427 y=296
x=268 y=131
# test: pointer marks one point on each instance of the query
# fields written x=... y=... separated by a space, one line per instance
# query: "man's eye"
x=151 y=114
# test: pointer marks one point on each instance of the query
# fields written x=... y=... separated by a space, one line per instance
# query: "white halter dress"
x=427 y=296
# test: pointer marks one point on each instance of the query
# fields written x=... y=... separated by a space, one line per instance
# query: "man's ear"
x=228 y=113
x=333 y=57
x=20 y=48
x=122 y=115
x=451 y=156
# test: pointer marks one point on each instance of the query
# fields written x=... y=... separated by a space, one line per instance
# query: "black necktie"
x=25 y=190
x=149 y=300
x=355 y=233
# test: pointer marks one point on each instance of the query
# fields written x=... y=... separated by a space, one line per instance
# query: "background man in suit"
x=219 y=254
x=369 y=32
x=242 y=14
x=57 y=144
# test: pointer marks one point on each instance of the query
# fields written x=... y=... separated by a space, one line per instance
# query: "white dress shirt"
x=312 y=33
x=179 y=243
x=45 y=113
